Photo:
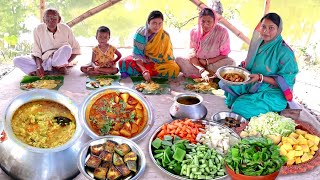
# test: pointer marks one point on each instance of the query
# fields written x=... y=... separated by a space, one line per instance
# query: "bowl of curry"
x=44 y=136
x=32 y=121
x=233 y=75
x=118 y=111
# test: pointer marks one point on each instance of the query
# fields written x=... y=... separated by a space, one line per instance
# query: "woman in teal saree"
x=273 y=70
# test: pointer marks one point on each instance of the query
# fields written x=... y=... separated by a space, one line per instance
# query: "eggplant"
x=106 y=164
x=113 y=173
x=125 y=171
x=109 y=146
x=97 y=149
x=100 y=173
x=122 y=149
x=93 y=161
x=117 y=159
x=132 y=165
x=106 y=156
x=130 y=156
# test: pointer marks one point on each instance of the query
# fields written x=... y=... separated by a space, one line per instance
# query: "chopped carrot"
x=185 y=129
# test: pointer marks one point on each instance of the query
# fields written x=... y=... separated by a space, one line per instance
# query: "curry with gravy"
x=116 y=113
x=34 y=124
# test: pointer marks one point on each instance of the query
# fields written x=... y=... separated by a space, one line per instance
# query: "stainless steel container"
x=221 y=116
x=141 y=162
x=233 y=69
x=188 y=106
x=132 y=92
x=157 y=131
x=21 y=161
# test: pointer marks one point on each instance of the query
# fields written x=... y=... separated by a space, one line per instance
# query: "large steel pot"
x=21 y=161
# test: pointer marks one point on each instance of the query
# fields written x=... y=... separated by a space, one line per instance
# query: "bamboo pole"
x=266 y=7
x=92 y=11
x=223 y=21
x=42 y=9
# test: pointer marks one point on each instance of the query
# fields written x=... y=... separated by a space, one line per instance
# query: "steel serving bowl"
x=205 y=122
x=132 y=92
x=222 y=115
x=233 y=69
x=22 y=161
x=84 y=155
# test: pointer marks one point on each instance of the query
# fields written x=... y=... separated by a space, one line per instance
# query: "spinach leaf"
x=255 y=156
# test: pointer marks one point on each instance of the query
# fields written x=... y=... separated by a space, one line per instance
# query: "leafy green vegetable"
x=156 y=143
x=255 y=156
x=179 y=154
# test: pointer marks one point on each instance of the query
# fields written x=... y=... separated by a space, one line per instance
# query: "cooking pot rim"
x=41 y=94
x=188 y=94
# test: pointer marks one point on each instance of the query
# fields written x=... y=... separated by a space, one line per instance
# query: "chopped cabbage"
x=271 y=124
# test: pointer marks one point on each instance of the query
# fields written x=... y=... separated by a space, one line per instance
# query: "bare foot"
x=73 y=63
x=61 y=70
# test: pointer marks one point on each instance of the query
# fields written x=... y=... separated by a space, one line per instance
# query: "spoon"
x=62 y=121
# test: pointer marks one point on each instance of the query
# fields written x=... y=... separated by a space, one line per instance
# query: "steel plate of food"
x=111 y=157
x=118 y=111
x=191 y=149
x=233 y=75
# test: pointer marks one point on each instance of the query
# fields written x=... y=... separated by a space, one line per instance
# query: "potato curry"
x=116 y=113
x=233 y=77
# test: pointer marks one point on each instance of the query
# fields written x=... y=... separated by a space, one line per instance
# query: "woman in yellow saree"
x=152 y=52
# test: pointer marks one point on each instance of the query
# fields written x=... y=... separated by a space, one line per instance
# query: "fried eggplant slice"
x=132 y=166
x=100 y=173
x=106 y=164
x=125 y=171
x=113 y=173
x=93 y=161
x=117 y=159
x=106 y=156
x=97 y=149
x=109 y=146
x=131 y=156
x=122 y=149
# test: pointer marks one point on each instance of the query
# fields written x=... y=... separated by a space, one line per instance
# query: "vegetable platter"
x=297 y=140
x=191 y=149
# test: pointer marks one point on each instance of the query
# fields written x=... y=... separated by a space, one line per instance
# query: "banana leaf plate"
x=189 y=84
x=163 y=83
x=28 y=82
x=93 y=83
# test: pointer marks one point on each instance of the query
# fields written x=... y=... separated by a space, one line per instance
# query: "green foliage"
x=11 y=40
x=7 y=54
